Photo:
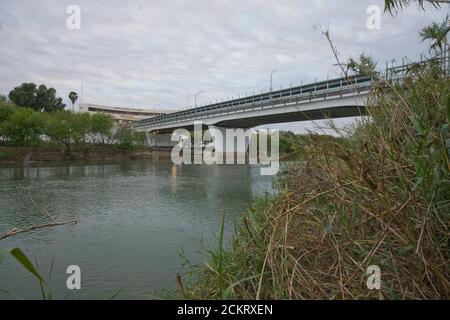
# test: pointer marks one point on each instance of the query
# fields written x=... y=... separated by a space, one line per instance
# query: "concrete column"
x=160 y=141
x=230 y=142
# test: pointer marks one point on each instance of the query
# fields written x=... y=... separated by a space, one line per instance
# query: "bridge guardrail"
x=310 y=92
x=278 y=103
x=273 y=99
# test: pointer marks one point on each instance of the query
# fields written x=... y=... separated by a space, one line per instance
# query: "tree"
x=24 y=95
x=23 y=127
x=41 y=98
x=101 y=125
x=6 y=109
x=59 y=105
x=66 y=128
x=437 y=34
x=392 y=6
x=5 y=113
x=127 y=139
x=364 y=65
x=46 y=100
x=73 y=96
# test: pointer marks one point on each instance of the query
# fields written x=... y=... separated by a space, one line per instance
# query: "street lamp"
x=195 y=98
x=271 y=76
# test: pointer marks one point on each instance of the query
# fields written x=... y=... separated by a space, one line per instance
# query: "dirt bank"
x=45 y=154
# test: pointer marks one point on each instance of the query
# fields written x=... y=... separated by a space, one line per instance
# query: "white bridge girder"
x=340 y=107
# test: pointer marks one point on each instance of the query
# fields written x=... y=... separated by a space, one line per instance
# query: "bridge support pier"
x=160 y=141
x=231 y=143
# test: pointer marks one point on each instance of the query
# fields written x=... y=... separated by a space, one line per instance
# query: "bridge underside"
x=251 y=122
x=329 y=113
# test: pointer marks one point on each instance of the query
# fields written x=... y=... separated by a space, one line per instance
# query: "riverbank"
x=87 y=152
x=372 y=206
x=90 y=152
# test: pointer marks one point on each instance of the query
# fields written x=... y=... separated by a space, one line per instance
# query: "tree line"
x=34 y=116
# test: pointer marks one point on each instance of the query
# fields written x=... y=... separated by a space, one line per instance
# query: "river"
x=138 y=222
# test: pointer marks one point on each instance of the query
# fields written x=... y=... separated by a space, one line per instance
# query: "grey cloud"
x=148 y=53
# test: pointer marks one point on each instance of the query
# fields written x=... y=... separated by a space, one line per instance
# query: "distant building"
x=122 y=115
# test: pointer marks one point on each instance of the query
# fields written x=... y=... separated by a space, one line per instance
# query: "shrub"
x=100 y=127
x=23 y=127
x=66 y=128
x=126 y=139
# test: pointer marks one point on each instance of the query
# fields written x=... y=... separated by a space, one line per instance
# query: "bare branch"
x=15 y=231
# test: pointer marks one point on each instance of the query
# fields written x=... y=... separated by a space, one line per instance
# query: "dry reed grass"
x=378 y=197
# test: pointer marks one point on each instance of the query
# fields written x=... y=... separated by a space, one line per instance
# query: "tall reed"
x=380 y=196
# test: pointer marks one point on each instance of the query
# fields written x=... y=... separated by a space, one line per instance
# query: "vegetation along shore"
x=378 y=196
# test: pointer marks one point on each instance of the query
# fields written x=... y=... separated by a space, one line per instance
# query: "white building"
x=122 y=115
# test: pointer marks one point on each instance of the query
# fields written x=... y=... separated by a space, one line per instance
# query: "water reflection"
x=174 y=178
x=134 y=217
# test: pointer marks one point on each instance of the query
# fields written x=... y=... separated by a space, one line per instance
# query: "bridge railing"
x=400 y=72
x=322 y=90
x=300 y=94
x=275 y=103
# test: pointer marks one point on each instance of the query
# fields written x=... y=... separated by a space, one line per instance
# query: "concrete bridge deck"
x=342 y=97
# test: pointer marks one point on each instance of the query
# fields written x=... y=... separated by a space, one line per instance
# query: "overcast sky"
x=158 y=54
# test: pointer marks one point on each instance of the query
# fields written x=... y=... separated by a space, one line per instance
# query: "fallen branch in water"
x=15 y=231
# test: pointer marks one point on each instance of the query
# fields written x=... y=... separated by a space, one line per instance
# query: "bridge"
x=335 y=98
x=342 y=97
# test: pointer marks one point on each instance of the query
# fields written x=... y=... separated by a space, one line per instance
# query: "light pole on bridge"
x=271 y=77
x=195 y=98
